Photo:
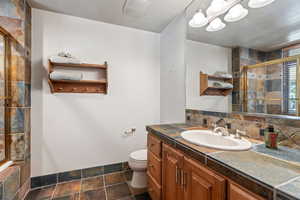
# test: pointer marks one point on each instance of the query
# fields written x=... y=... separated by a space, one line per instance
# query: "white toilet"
x=138 y=163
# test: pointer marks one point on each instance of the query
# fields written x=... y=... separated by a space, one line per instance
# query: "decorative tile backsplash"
x=251 y=123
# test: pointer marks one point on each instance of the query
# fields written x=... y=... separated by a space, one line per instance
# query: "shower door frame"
x=7 y=63
x=244 y=72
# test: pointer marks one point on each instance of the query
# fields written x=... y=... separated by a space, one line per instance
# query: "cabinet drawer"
x=154 y=167
x=154 y=145
x=237 y=192
x=154 y=189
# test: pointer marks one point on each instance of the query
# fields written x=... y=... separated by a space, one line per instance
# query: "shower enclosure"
x=272 y=87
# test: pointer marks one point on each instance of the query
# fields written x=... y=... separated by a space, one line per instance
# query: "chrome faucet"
x=219 y=129
x=239 y=134
x=222 y=130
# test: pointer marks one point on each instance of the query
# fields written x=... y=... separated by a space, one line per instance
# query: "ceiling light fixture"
x=259 y=3
x=216 y=7
x=216 y=25
x=199 y=20
x=235 y=12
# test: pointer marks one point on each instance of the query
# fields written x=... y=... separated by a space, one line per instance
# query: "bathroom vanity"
x=179 y=170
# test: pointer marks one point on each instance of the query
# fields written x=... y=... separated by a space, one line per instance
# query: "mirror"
x=247 y=60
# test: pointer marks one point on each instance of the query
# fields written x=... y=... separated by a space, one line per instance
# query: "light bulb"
x=236 y=13
x=215 y=25
x=215 y=7
x=199 y=16
x=199 y=20
x=259 y=3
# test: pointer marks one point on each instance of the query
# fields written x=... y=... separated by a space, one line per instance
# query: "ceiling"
x=272 y=27
x=158 y=15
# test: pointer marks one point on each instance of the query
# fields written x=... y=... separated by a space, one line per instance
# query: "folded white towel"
x=59 y=59
x=223 y=74
x=74 y=76
x=224 y=85
x=65 y=54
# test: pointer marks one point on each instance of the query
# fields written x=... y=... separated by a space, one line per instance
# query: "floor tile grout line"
x=116 y=172
x=119 y=183
x=92 y=177
x=104 y=185
x=52 y=196
x=115 y=184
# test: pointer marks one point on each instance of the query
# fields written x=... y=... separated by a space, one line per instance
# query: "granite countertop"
x=276 y=170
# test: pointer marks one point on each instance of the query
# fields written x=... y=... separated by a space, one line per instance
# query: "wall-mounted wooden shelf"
x=82 y=86
x=82 y=65
x=210 y=90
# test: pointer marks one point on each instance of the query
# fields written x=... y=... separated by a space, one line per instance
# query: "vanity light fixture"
x=232 y=8
x=199 y=20
x=216 y=7
x=236 y=13
x=216 y=25
x=259 y=3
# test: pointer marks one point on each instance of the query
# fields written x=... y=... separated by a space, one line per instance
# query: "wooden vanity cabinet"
x=174 y=176
x=237 y=192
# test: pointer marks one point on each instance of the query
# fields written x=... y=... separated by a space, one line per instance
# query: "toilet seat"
x=140 y=155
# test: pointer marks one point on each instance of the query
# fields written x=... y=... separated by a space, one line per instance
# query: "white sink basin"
x=207 y=138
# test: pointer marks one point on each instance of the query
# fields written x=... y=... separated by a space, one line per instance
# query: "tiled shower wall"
x=263 y=83
x=252 y=124
x=15 y=19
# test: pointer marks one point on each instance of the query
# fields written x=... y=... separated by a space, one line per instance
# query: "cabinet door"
x=237 y=192
x=201 y=183
x=154 y=189
x=172 y=167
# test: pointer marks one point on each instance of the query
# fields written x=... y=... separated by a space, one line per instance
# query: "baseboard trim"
x=52 y=179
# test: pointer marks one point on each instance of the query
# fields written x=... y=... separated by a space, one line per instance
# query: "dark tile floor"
x=112 y=186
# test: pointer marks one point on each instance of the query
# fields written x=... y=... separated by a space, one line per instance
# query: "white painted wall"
x=208 y=59
x=72 y=131
x=172 y=94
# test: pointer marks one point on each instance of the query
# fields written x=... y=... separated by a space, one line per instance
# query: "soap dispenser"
x=271 y=137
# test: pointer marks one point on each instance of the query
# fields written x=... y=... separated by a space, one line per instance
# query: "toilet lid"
x=139 y=155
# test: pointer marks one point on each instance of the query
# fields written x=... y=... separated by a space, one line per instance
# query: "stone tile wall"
x=15 y=21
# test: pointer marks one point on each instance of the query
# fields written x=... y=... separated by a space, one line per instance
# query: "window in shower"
x=289 y=79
